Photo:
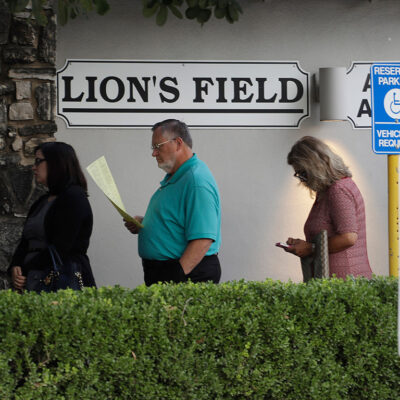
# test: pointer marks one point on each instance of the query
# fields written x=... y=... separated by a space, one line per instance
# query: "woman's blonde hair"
x=322 y=166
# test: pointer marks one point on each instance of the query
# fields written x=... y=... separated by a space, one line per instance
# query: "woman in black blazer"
x=62 y=217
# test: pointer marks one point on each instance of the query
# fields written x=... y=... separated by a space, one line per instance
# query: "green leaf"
x=87 y=5
x=192 y=12
x=150 y=3
x=192 y=3
x=203 y=16
x=17 y=5
x=149 y=12
x=222 y=3
x=175 y=11
x=229 y=18
x=220 y=12
x=72 y=13
x=233 y=12
x=62 y=14
x=38 y=12
x=238 y=7
x=102 y=6
x=203 y=3
x=161 y=18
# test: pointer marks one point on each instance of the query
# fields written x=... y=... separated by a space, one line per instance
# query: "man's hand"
x=131 y=226
x=194 y=253
x=18 y=280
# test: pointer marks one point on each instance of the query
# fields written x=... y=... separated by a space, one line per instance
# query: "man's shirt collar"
x=180 y=172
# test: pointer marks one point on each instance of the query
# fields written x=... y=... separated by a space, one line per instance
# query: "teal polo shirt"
x=185 y=207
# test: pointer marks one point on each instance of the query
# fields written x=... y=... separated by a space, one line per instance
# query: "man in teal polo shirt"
x=181 y=236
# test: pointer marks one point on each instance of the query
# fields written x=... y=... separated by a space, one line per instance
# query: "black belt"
x=153 y=263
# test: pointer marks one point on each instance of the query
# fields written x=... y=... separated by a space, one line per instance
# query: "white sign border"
x=351 y=120
x=278 y=127
x=394 y=152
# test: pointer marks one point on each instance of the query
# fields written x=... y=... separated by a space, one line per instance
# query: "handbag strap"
x=55 y=257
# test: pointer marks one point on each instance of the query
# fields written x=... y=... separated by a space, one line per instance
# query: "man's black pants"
x=208 y=269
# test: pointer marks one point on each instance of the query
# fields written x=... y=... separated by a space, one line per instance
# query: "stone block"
x=5 y=281
x=24 y=15
x=19 y=55
x=7 y=88
x=10 y=234
x=17 y=144
x=2 y=143
x=31 y=144
x=45 y=101
x=21 y=111
x=3 y=113
x=47 y=74
x=12 y=133
x=23 y=32
x=3 y=119
x=23 y=89
x=21 y=181
x=47 y=40
x=6 y=199
x=16 y=188
x=5 y=21
x=49 y=5
x=9 y=160
x=47 y=129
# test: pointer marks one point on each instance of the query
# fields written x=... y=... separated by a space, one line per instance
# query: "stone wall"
x=27 y=117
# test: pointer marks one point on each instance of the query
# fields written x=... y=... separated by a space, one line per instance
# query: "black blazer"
x=68 y=225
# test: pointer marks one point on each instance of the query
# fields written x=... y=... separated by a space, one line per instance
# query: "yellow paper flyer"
x=101 y=174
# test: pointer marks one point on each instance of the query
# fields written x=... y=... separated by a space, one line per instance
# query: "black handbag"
x=60 y=275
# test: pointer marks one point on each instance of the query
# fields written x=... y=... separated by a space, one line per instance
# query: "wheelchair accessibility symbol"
x=392 y=103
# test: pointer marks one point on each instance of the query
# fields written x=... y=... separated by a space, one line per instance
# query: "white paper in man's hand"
x=101 y=174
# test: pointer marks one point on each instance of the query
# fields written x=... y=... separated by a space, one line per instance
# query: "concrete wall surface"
x=262 y=202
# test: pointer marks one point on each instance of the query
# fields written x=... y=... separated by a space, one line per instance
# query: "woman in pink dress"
x=338 y=208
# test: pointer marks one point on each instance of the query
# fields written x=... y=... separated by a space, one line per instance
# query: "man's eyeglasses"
x=302 y=175
x=158 y=145
x=38 y=161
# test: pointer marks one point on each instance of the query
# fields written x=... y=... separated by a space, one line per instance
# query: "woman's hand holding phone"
x=285 y=246
x=299 y=247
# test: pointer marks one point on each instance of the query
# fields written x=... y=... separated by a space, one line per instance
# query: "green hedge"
x=325 y=340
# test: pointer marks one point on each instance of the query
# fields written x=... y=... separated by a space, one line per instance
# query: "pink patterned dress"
x=341 y=210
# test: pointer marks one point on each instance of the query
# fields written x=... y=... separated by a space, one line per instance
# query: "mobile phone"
x=283 y=245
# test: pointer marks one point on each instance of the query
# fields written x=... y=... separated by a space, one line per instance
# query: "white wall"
x=261 y=201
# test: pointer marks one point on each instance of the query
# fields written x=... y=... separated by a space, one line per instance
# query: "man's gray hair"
x=176 y=129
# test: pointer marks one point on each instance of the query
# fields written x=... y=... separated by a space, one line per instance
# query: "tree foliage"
x=199 y=10
x=196 y=10
x=324 y=340
x=66 y=9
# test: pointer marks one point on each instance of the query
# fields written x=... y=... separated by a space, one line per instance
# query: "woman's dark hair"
x=63 y=168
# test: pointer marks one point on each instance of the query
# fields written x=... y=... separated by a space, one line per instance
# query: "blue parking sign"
x=385 y=108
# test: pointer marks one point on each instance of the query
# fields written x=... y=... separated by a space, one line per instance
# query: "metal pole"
x=393 y=183
x=393 y=209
